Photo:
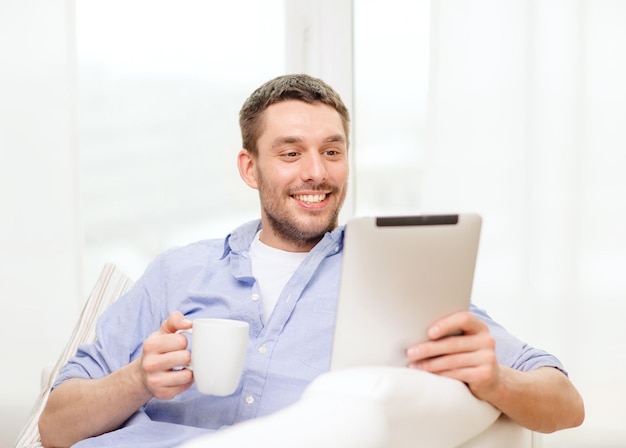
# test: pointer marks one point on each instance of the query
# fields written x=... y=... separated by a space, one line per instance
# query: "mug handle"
x=189 y=366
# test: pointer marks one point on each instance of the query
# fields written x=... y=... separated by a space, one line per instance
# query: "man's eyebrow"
x=291 y=139
x=339 y=138
x=288 y=140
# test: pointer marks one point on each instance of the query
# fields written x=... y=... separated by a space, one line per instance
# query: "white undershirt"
x=272 y=268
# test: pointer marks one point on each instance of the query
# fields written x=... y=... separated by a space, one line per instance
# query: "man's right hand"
x=80 y=408
x=163 y=351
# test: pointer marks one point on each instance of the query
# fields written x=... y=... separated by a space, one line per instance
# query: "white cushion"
x=371 y=407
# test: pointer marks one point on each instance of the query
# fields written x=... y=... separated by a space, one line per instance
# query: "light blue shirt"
x=213 y=278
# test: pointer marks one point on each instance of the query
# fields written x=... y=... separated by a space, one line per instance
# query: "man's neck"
x=269 y=238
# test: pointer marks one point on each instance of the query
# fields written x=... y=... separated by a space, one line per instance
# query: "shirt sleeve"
x=119 y=332
x=513 y=352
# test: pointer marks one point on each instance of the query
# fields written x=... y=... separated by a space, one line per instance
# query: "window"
x=160 y=87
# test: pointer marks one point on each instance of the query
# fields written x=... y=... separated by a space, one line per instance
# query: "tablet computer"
x=400 y=274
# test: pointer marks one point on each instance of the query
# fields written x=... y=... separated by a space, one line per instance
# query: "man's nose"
x=314 y=168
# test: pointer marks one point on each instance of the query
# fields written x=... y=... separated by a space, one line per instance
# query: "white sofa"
x=378 y=407
x=368 y=407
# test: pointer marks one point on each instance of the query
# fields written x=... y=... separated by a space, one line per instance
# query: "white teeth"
x=311 y=198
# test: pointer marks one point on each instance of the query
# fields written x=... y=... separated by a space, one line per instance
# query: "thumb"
x=175 y=321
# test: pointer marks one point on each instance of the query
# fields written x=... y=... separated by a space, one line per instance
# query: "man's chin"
x=316 y=226
x=304 y=233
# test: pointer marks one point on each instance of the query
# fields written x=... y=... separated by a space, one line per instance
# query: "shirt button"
x=263 y=349
x=255 y=297
x=249 y=399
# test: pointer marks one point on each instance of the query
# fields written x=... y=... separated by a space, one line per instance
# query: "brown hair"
x=299 y=87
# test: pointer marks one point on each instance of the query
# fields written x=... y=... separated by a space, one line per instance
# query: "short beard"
x=286 y=227
x=289 y=231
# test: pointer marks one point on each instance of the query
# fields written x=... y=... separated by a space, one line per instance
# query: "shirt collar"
x=239 y=240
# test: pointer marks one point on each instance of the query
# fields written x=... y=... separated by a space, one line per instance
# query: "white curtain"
x=527 y=126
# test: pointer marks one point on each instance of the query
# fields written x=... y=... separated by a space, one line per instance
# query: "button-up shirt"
x=213 y=278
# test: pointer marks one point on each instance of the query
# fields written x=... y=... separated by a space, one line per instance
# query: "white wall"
x=39 y=227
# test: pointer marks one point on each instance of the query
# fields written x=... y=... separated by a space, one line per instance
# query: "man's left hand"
x=462 y=348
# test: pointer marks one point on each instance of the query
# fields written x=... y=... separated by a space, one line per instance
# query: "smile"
x=310 y=198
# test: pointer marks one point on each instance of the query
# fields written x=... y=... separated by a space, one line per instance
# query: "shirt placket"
x=263 y=341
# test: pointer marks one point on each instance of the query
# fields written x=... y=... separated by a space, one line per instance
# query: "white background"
x=118 y=135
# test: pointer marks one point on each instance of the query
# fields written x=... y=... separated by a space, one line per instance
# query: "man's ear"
x=246 y=165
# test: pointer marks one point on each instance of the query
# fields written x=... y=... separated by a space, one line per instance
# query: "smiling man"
x=300 y=167
x=280 y=274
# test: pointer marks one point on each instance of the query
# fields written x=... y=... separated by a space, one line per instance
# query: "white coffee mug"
x=218 y=352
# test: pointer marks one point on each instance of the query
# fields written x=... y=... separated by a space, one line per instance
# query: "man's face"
x=301 y=172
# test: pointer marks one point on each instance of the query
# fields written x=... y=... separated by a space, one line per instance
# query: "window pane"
x=160 y=87
x=391 y=87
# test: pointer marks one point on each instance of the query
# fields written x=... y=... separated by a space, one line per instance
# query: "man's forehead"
x=294 y=120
